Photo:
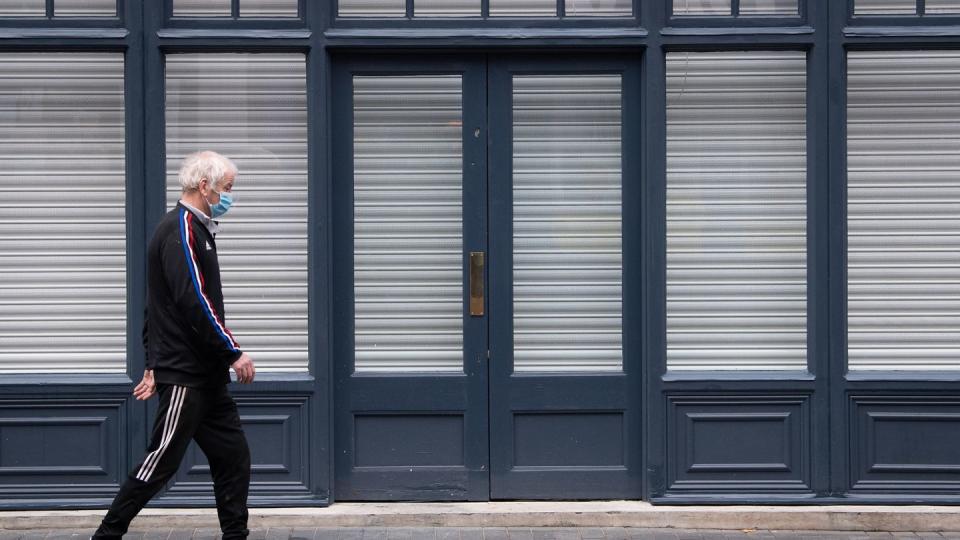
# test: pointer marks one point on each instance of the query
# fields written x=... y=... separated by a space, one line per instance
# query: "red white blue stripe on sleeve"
x=186 y=237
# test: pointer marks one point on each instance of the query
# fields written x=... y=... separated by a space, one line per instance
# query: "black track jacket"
x=184 y=333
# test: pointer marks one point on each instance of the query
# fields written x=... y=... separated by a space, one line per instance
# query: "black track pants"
x=208 y=416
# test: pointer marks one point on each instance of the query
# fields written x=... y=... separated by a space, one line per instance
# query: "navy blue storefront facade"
x=698 y=252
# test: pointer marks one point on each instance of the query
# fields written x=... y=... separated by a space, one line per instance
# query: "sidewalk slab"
x=597 y=514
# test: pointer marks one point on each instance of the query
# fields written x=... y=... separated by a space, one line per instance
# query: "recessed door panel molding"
x=251 y=108
x=408 y=223
x=736 y=211
x=567 y=237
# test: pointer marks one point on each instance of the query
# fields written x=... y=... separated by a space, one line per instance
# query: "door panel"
x=564 y=384
x=411 y=420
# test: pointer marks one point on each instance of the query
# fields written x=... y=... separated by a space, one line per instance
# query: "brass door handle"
x=476 y=283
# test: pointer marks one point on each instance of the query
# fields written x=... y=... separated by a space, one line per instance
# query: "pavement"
x=535 y=516
x=478 y=533
x=514 y=520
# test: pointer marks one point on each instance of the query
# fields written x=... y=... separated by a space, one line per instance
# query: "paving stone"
x=180 y=534
x=206 y=534
x=403 y=533
x=278 y=533
x=590 y=533
x=447 y=533
x=156 y=534
x=495 y=533
x=325 y=533
x=257 y=534
x=615 y=533
x=519 y=533
x=471 y=533
x=302 y=534
x=347 y=533
x=375 y=533
x=552 y=533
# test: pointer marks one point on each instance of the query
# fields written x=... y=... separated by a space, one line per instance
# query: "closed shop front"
x=666 y=250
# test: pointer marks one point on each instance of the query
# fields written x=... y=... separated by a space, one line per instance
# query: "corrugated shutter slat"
x=252 y=108
x=736 y=211
x=62 y=224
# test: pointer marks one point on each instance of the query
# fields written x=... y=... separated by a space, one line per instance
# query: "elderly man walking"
x=189 y=352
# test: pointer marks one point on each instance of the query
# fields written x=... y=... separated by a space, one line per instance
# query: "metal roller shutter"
x=252 y=108
x=736 y=211
x=408 y=223
x=567 y=236
x=62 y=224
x=903 y=210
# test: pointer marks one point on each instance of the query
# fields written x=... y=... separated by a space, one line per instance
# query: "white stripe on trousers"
x=169 y=428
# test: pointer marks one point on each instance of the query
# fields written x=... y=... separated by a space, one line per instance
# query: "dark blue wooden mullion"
x=49 y=8
x=921 y=7
x=561 y=9
x=234 y=9
x=653 y=245
x=838 y=15
x=818 y=244
x=319 y=256
x=735 y=8
x=410 y=8
x=484 y=9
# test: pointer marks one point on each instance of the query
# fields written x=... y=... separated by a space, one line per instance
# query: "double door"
x=486 y=278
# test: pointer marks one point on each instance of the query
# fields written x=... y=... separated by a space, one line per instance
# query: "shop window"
x=473 y=8
x=744 y=8
x=903 y=197
x=252 y=108
x=61 y=8
x=906 y=7
x=63 y=296
x=243 y=8
x=736 y=211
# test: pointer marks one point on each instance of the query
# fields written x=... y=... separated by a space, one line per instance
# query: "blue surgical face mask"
x=219 y=209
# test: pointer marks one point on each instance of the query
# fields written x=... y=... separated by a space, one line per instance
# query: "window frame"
x=559 y=20
x=919 y=18
x=50 y=20
x=737 y=20
x=235 y=20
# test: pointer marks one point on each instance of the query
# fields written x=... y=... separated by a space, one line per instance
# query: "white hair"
x=206 y=164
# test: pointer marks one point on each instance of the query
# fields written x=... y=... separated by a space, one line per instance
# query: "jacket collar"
x=207 y=221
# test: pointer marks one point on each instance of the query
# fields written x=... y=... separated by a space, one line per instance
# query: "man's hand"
x=244 y=369
x=147 y=387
